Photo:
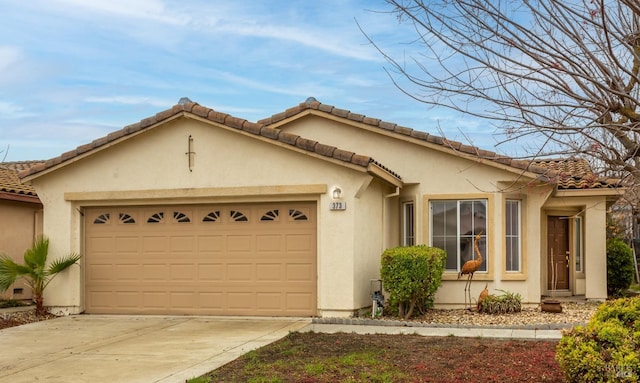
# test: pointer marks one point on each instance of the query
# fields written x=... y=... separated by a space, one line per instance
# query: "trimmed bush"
x=411 y=275
x=505 y=303
x=619 y=267
x=607 y=349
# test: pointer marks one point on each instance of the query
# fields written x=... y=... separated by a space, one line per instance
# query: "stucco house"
x=20 y=220
x=193 y=211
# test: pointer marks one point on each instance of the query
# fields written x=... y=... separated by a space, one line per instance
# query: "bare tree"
x=560 y=74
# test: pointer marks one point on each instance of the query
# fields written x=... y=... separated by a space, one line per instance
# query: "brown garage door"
x=257 y=259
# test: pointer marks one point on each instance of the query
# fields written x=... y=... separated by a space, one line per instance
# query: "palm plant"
x=35 y=270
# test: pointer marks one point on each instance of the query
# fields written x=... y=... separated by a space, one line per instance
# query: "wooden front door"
x=558 y=252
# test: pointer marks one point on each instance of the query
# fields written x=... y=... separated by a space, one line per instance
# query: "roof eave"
x=20 y=198
x=444 y=148
x=593 y=192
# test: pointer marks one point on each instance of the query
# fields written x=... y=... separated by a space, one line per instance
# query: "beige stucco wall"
x=152 y=168
x=431 y=173
x=20 y=224
x=594 y=212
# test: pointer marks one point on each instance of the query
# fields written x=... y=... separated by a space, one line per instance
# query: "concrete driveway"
x=108 y=348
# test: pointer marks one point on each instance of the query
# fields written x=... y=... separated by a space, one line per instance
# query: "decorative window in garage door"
x=126 y=218
x=102 y=219
x=181 y=217
x=156 y=218
x=238 y=216
x=213 y=216
x=271 y=215
x=297 y=215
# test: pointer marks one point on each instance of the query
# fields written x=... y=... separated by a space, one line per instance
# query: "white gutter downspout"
x=385 y=240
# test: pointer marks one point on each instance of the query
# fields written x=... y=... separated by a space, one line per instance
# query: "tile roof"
x=567 y=173
x=188 y=107
x=9 y=180
x=576 y=174
x=561 y=172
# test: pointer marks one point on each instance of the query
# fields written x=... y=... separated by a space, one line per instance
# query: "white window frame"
x=408 y=224
x=517 y=236
x=468 y=238
x=578 y=244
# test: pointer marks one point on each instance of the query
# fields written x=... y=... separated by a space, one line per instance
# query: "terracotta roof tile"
x=565 y=180
x=230 y=121
x=10 y=181
x=575 y=174
x=567 y=174
x=306 y=144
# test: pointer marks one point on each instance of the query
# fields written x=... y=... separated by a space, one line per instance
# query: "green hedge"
x=619 y=267
x=411 y=275
x=607 y=349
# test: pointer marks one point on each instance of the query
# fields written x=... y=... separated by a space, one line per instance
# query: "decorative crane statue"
x=483 y=295
x=471 y=267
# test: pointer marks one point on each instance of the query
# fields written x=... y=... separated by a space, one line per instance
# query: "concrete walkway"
x=485 y=332
x=100 y=348
x=376 y=326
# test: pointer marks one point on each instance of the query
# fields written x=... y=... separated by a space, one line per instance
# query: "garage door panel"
x=157 y=272
x=209 y=260
x=127 y=244
x=126 y=272
x=300 y=242
x=127 y=299
x=210 y=243
x=300 y=272
x=240 y=272
x=269 y=271
x=211 y=272
x=100 y=272
x=239 y=243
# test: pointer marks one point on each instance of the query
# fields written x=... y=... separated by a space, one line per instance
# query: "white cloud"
x=9 y=57
x=139 y=9
x=9 y=110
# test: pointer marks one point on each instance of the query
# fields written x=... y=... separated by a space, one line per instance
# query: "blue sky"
x=74 y=70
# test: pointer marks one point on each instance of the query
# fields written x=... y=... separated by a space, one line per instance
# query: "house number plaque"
x=338 y=205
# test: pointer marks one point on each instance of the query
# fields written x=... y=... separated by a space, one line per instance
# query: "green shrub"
x=505 y=303
x=619 y=267
x=411 y=275
x=607 y=349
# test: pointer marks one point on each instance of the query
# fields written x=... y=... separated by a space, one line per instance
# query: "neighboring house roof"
x=566 y=173
x=187 y=108
x=10 y=185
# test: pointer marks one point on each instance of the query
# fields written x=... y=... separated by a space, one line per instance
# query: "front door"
x=557 y=253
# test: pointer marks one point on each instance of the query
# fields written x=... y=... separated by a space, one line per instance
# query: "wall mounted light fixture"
x=336 y=193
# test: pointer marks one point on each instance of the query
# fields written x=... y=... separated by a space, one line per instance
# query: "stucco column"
x=595 y=262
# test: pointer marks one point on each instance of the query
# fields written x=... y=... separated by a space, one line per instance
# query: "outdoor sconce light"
x=337 y=193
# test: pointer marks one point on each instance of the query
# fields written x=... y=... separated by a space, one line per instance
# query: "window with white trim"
x=578 y=245
x=408 y=228
x=513 y=235
x=454 y=224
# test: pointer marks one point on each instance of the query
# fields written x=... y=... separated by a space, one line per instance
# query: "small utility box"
x=377 y=298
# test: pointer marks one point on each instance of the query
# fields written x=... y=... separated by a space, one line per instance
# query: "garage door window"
x=271 y=215
x=101 y=219
x=297 y=215
x=181 y=217
x=213 y=216
x=238 y=216
x=126 y=218
x=156 y=218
